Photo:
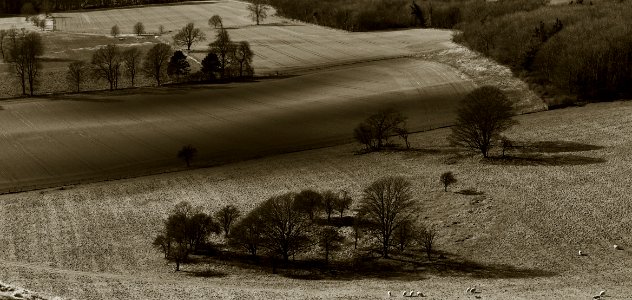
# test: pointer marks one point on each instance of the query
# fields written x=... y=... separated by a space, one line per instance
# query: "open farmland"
x=524 y=231
x=71 y=138
x=280 y=45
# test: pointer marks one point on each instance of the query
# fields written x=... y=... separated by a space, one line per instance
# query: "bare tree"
x=161 y=29
x=24 y=56
x=189 y=35
x=309 y=202
x=76 y=74
x=447 y=179
x=258 y=10
x=329 y=203
x=106 y=62
x=156 y=61
x=426 y=238
x=243 y=57
x=115 y=31
x=342 y=203
x=284 y=230
x=215 y=21
x=227 y=217
x=187 y=153
x=375 y=131
x=329 y=240
x=387 y=204
x=3 y=34
x=139 y=29
x=223 y=47
x=505 y=144
x=132 y=58
x=403 y=133
x=482 y=116
x=247 y=234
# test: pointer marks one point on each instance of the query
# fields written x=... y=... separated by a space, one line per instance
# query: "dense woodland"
x=42 y=6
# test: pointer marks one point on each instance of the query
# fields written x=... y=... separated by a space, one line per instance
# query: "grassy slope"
x=535 y=215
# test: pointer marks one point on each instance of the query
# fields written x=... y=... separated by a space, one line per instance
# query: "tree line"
x=27 y=7
x=291 y=224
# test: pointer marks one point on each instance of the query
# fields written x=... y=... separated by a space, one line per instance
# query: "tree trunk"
x=177 y=265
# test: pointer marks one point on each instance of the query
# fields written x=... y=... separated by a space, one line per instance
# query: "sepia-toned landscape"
x=422 y=153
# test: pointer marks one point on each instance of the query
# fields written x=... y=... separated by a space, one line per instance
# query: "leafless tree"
x=139 y=29
x=309 y=202
x=329 y=240
x=375 y=131
x=329 y=203
x=243 y=57
x=187 y=153
x=3 y=34
x=132 y=58
x=189 y=35
x=215 y=21
x=482 y=116
x=342 y=202
x=106 y=63
x=223 y=47
x=258 y=10
x=426 y=238
x=156 y=61
x=227 y=217
x=25 y=51
x=115 y=31
x=77 y=71
x=387 y=204
x=247 y=234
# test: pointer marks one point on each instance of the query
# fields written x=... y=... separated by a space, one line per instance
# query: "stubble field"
x=535 y=212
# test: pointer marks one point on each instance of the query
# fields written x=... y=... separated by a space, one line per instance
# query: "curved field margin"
x=78 y=138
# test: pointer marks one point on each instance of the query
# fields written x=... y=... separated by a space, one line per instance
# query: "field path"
x=71 y=139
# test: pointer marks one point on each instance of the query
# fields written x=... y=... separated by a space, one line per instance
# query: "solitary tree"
x=115 y=31
x=161 y=29
x=223 y=48
x=76 y=74
x=189 y=35
x=227 y=216
x=418 y=14
x=187 y=153
x=342 y=203
x=106 y=63
x=132 y=58
x=243 y=58
x=387 y=204
x=482 y=116
x=215 y=21
x=258 y=10
x=178 y=66
x=329 y=240
x=139 y=29
x=25 y=51
x=402 y=131
x=210 y=66
x=156 y=60
x=309 y=202
x=284 y=230
x=447 y=179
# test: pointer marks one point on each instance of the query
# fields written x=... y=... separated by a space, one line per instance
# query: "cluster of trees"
x=367 y=15
x=23 y=50
x=580 y=51
x=374 y=132
x=293 y=223
x=45 y=6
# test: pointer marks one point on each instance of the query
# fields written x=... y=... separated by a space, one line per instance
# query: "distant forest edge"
x=28 y=7
x=569 y=53
x=368 y=15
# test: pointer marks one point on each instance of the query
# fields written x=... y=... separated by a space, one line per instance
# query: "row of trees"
x=285 y=225
x=44 y=6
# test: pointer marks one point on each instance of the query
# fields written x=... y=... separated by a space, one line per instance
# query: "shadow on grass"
x=542 y=160
x=407 y=266
x=206 y=274
x=557 y=147
x=102 y=95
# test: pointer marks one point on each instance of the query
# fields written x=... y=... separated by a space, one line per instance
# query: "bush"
x=376 y=130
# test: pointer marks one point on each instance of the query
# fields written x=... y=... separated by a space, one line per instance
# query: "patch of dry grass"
x=93 y=241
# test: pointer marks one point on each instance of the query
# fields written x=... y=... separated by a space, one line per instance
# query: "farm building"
x=49 y=23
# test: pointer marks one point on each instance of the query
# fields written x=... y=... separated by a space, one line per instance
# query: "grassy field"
x=536 y=210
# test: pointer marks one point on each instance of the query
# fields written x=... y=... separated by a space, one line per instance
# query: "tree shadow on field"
x=548 y=153
x=106 y=96
x=206 y=273
x=457 y=266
